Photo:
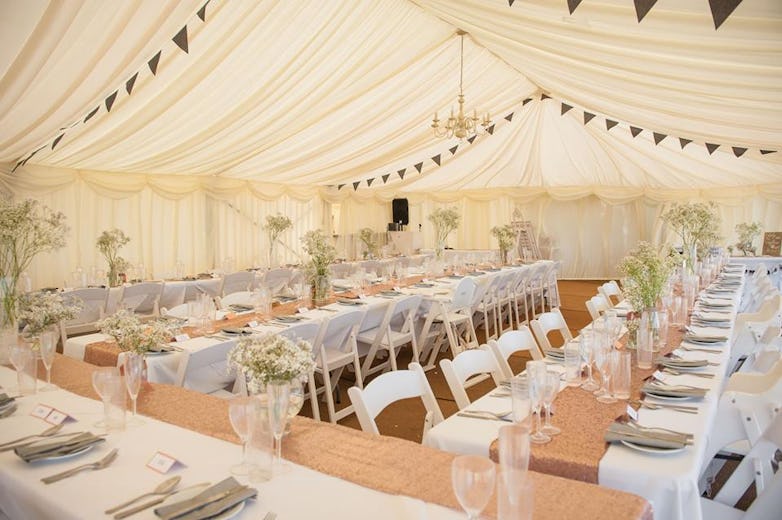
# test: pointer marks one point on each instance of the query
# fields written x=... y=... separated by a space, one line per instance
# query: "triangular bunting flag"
x=544 y=96
x=130 y=83
x=510 y=3
x=110 y=101
x=340 y=186
x=471 y=139
x=355 y=185
x=370 y=181
x=642 y=7
x=526 y=101
x=436 y=159
x=738 y=152
x=635 y=130
x=153 y=63
x=57 y=140
x=658 y=137
x=684 y=142
x=89 y=116
x=509 y=117
x=766 y=152
x=417 y=167
x=572 y=4
x=202 y=14
x=721 y=9
x=711 y=147
x=180 y=38
x=565 y=109
x=588 y=117
x=490 y=130
x=385 y=177
x=453 y=149
x=402 y=171
x=610 y=124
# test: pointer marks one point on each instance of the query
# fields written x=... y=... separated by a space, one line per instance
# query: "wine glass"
x=472 y=477
x=101 y=382
x=550 y=390
x=586 y=344
x=239 y=411
x=48 y=345
x=134 y=364
x=604 y=365
x=537 y=381
x=279 y=397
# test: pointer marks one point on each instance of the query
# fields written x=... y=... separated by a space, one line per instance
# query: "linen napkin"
x=211 y=502
x=664 y=390
x=237 y=307
x=643 y=436
x=6 y=401
x=682 y=363
x=288 y=319
x=64 y=446
x=237 y=330
x=345 y=301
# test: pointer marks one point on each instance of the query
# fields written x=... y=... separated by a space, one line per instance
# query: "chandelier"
x=458 y=125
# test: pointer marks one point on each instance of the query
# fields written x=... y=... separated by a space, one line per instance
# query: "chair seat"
x=714 y=510
x=453 y=317
x=397 y=338
x=335 y=358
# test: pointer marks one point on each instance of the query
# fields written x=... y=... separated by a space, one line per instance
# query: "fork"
x=100 y=464
x=675 y=372
x=271 y=515
x=655 y=406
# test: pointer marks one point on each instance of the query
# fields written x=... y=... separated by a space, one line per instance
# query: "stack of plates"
x=555 y=354
x=673 y=392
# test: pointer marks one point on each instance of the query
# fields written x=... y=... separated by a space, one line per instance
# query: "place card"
x=163 y=463
x=252 y=324
x=181 y=337
x=632 y=413
x=397 y=289
x=41 y=411
x=660 y=376
x=303 y=310
x=58 y=417
x=362 y=297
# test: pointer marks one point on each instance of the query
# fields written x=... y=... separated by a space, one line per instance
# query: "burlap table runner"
x=577 y=451
x=387 y=464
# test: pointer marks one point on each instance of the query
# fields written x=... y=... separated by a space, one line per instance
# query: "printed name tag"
x=303 y=310
x=41 y=411
x=163 y=462
x=660 y=376
x=58 y=417
x=362 y=297
x=632 y=413
x=397 y=289
x=252 y=324
x=181 y=337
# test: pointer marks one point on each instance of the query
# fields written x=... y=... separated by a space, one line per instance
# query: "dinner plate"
x=65 y=456
x=190 y=493
x=652 y=449
x=288 y=319
x=668 y=397
x=710 y=342
x=154 y=353
x=350 y=302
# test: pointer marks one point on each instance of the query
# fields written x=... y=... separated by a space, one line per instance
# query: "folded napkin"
x=454 y=277
x=237 y=330
x=643 y=436
x=341 y=288
x=288 y=319
x=664 y=390
x=476 y=273
x=713 y=316
x=344 y=301
x=283 y=299
x=390 y=293
x=209 y=503
x=424 y=284
x=63 y=446
x=682 y=363
x=236 y=307
x=5 y=400
x=557 y=354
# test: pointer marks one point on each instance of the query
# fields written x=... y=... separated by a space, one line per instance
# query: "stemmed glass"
x=134 y=364
x=239 y=411
x=586 y=344
x=550 y=390
x=537 y=382
x=102 y=378
x=472 y=478
x=279 y=397
x=48 y=343
x=603 y=361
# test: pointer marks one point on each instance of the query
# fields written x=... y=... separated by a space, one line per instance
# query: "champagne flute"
x=550 y=390
x=239 y=410
x=472 y=477
x=134 y=364
x=279 y=397
x=48 y=344
x=586 y=344
x=537 y=380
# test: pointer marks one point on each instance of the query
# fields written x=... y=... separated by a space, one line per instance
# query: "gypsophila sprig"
x=747 y=233
x=444 y=221
x=697 y=224
x=132 y=335
x=322 y=254
x=646 y=272
x=40 y=310
x=276 y=225
x=271 y=358
x=108 y=244
x=506 y=238
x=367 y=236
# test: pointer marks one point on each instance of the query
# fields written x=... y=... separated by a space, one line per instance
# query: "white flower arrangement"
x=444 y=221
x=367 y=236
x=646 y=273
x=40 y=310
x=506 y=238
x=262 y=359
x=747 y=232
x=697 y=224
x=322 y=254
x=108 y=244
x=276 y=225
x=27 y=228
x=132 y=335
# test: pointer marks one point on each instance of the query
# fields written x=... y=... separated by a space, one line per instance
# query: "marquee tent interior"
x=186 y=122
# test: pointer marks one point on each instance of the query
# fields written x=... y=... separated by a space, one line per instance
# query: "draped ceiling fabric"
x=276 y=104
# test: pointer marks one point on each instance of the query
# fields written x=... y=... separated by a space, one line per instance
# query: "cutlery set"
x=93 y=466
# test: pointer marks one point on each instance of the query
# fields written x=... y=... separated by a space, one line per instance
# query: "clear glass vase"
x=321 y=289
x=8 y=323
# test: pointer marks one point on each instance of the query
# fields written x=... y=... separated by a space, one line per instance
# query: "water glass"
x=260 y=442
x=115 y=403
x=573 y=363
x=240 y=409
x=24 y=360
x=102 y=378
x=550 y=391
x=662 y=338
x=472 y=478
x=621 y=368
x=645 y=346
x=515 y=498
x=514 y=453
x=536 y=376
x=587 y=341
x=519 y=388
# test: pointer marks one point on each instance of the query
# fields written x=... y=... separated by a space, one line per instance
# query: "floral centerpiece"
x=747 y=232
x=43 y=309
x=108 y=244
x=367 y=236
x=27 y=228
x=697 y=224
x=275 y=226
x=444 y=221
x=132 y=335
x=506 y=238
x=646 y=272
x=322 y=254
x=271 y=358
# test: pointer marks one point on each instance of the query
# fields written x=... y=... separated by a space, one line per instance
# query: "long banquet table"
x=335 y=472
x=668 y=481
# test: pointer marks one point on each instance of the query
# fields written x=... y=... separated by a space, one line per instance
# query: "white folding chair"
x=547 y=322
x=467 y=369
x=94 y=301
x=484 y=306
x=550 y=283
x=536 y=286
x=336 y=348
x=240 y=281
x=750 y=326
x=522 y=293
x=180 y=311
x=341 y=270
x=236 y=298
x=611 y=290
x=306 y=331
x=511 y=342
x=391 y=387
x=277 y=279
x=597 y=305
x=142 y=299
x=207 y=371
x=396 y=330
x=452 y=321
x=505 y=299
x=211 y=286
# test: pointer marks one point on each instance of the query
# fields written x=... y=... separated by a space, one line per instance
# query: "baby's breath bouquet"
x=132 y=335
x=108 y=244
x=367 y=236
x=322 y=254
x=747 y=232
x=697 y=224
x=506 y=237
x=646 y=272
x=263 y=359
x=275 y=226
x=40 y=310
x=27 y=228
x=444 y=221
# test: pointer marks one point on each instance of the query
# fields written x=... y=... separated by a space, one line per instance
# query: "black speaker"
x=399 y=207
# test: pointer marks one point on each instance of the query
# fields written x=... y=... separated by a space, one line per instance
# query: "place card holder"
x=51 y=415
x=163 y=463
x=179 y=338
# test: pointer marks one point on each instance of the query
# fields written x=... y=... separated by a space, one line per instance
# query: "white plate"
x=651 y=449
x=669 y=397
x=67 y=455
x=190 y=493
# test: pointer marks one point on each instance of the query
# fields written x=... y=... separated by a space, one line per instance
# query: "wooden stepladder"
x=526 y=244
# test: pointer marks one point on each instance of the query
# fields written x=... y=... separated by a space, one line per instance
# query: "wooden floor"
x=405 y=419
